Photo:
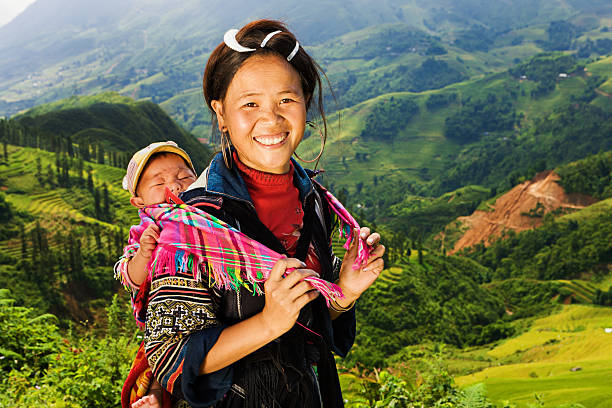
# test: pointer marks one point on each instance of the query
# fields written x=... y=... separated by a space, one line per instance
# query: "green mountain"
x=116 y=122
x=494 y=131
x=64 y=221
x=366 y=49
x=65 y=215
x=516 y=315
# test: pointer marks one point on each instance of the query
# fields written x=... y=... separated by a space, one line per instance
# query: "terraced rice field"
x=564 y=358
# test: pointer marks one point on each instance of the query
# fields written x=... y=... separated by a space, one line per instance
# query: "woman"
x=227 y=348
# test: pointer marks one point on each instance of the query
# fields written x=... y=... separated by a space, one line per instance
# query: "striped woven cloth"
x=192 y=240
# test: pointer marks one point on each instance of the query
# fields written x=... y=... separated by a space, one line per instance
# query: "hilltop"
x=526 y=206
x=366 y=49
x=116 y=122
x=519 y=209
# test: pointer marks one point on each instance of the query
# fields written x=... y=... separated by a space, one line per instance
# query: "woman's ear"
x=218 y=108
x=137 y=202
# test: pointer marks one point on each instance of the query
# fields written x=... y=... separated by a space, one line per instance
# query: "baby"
x=151 y=170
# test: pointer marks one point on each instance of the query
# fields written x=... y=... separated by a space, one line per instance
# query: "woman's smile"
x=273 y=140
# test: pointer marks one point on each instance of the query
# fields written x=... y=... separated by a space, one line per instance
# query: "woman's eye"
x=250 y=105
x=286 y=100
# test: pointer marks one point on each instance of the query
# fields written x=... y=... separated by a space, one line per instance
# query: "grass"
x=542 y=357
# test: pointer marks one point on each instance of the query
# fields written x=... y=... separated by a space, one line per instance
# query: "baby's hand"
x=148 y=241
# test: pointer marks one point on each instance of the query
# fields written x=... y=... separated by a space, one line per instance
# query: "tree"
x=90 y=185
x=100 y=154
x=420 y=251
x=106 y=203
x=97 y=209
x=24 y=242
x=49 y=178
x=80 y=167
x=38 y=174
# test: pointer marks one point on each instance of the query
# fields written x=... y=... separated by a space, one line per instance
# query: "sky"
x=9 y=9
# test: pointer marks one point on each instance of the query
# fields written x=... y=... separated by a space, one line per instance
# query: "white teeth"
x=269 y=141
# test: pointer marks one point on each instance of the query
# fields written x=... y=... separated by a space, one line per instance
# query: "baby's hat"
x=141 y=158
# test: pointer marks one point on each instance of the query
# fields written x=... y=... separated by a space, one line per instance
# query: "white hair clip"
x=229 y=38
x=268 y=37
x=295 y=51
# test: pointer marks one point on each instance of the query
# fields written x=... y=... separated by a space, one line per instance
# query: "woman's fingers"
x=375 y=266
x=279 y=268
x=286 y=294
x=364 y=232
x=307 y=297
x=299 y=289
x=296 y=276
x=376 y=253
x=373 y=240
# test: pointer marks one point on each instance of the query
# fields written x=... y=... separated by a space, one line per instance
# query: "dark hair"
x=224 y=62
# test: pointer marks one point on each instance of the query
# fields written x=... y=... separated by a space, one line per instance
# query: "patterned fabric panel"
x=178 y=306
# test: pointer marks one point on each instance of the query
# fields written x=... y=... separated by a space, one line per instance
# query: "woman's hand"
x=354 y=282
x=286 y=295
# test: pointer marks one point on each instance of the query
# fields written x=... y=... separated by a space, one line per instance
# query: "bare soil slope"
x=510 y=211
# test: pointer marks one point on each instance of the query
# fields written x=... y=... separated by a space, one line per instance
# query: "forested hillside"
x=66 y=215
x=495 y=132
x=56 y=49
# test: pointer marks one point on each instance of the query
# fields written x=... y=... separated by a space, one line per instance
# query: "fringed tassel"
x=348 y=224
x=169 y=260
x=329 y=290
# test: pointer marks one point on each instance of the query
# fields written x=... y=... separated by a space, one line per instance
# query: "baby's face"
x=166 y=170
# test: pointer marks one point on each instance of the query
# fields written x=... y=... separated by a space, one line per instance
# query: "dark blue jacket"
x=222 y=192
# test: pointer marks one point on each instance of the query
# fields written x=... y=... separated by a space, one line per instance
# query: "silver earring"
x=316 y=159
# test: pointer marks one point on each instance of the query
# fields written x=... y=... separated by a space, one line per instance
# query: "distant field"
x=574 y=338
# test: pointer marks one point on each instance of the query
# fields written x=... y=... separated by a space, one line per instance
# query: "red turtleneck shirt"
x=277 y=203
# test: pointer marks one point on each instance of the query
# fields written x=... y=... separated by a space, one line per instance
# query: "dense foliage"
x=476 y=38
x=441 y=300
x=558 y=250
x=40 y=366
x=420 y=217
x=495 y=112
x=601 y=46
x=525 y=297
x=500 y=161
x=119 y=128
x=544 y=69
x=440 y=100
x=592 y=176
x=561 y=35
x=351 y=88
x=434 y=387
x=386 y=119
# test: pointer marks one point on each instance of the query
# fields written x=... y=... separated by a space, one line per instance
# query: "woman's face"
x=264 y=111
